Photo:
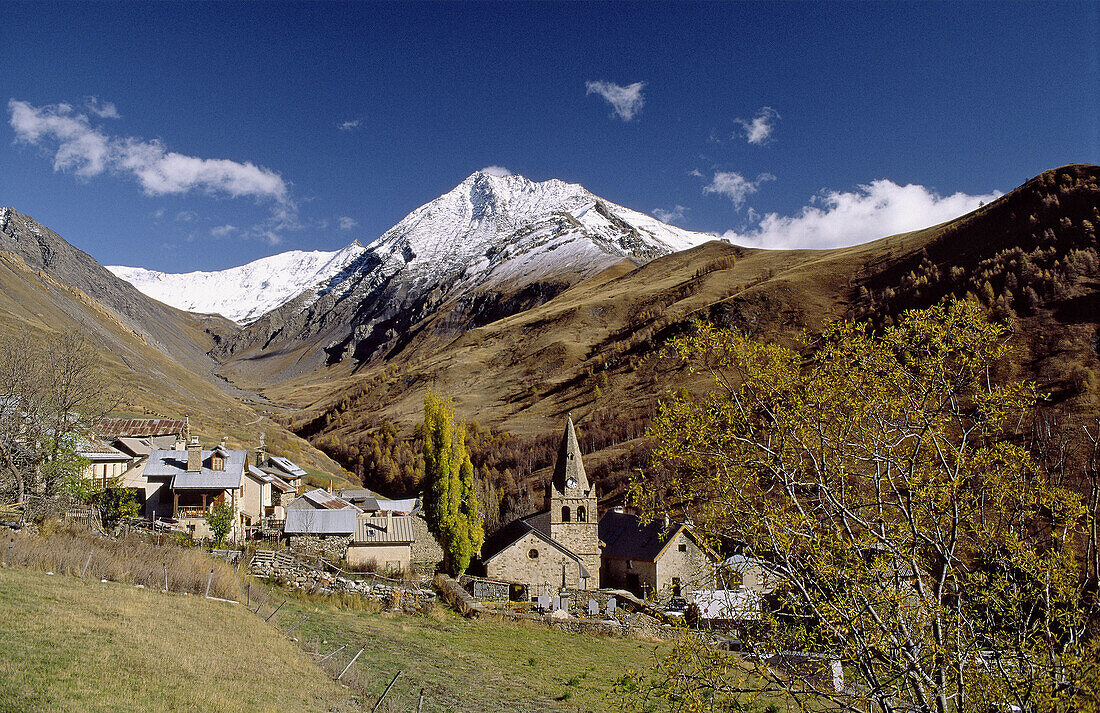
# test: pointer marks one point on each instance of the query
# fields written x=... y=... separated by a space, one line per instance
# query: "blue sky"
x=201 y=136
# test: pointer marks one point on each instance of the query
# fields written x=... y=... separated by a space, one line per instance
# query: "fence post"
x=276 y=611
x=420 y=703
x=385 y=692
x=86 y=563
x=326 y=658
x=349 y=666
x=166 y=577
x=7 y=557
x=209 y=580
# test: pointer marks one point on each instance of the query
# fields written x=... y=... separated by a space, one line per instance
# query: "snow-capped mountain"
x=495 y=229
x=490 y=247
x=244 y=293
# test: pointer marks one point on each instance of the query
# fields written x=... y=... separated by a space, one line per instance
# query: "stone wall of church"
x=531 y=561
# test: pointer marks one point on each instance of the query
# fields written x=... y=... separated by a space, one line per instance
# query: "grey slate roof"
x=287 y=466
x=319 y=522
x=539 y=524
x=624 y=536
x=388 y=530
x=569 y=463
x=173 y=464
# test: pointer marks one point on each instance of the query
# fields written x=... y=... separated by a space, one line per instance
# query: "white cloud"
x=186 y=216
x=350 y=125
x=875 y=210
x=735 y=186
x=696 y=172
x=498 y=171
x=223 y=231
x=667 y=216
x=625 y=102
x=104 y=110
x=346 y=223
x=86 y=151
x=760 y=129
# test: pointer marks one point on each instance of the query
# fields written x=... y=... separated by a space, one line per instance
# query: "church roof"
x=624 y=536
x=569 y=463
x=512 y=533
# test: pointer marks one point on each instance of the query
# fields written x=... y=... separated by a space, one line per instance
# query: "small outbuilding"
x=660 y=557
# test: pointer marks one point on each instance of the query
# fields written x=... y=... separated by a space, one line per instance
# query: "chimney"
x=194 y=456
x=667 y=521
x=261 y=451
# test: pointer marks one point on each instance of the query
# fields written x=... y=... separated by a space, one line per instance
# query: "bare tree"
x=51 y=391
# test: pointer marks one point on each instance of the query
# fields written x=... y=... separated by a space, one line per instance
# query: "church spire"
x=569 y=470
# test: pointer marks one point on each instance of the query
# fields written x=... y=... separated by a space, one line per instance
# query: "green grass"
x=78 y=645
x=468 y=665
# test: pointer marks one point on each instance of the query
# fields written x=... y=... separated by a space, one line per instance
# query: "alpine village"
x=532 y=450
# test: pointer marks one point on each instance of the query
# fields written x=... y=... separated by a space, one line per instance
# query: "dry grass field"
x=80 y=645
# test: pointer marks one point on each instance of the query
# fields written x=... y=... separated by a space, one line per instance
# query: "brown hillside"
x=594 y=350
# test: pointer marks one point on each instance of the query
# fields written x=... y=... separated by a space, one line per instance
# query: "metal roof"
x=371 y=530
x=274 y=480
x=287 y=466
x=320 y=498
x=173 y=464
x=137 y=427
x=136 y=446
x=96 y=450
x=319 y=522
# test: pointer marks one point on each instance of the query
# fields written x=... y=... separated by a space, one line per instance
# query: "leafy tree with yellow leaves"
x=921 y=552
x=450 y=496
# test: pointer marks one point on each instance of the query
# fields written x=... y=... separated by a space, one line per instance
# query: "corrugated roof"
x=137 y=427
x=287 y=466
x=319 y=522
x=173 y=464
x=370 y=530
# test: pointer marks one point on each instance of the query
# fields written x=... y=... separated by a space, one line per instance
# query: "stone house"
x=660 y=558
x=557 y=548
x=384 y=540
x=320 y=523
x=187 y=484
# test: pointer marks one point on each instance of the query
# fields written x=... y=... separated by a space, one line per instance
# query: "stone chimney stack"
x=194 y=456
x=261 y=451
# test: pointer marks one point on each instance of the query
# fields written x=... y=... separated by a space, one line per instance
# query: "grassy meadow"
x=84 y=645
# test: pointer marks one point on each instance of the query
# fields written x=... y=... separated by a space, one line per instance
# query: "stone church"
x=558 y=548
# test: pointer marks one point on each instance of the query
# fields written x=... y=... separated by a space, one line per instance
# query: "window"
x=683 y=547
x=565 y=514
x=581 y=514
x=533 y=554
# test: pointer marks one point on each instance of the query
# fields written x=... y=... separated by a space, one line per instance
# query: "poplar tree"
x=450 y=497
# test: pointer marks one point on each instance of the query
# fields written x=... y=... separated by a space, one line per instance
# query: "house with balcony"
x=192 y=481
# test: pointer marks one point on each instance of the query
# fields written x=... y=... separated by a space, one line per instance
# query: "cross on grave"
x=593 y=607
x=611 y=606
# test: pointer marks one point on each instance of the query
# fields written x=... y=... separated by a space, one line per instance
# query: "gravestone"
x=611 y=606
x=544 y=602
x=557 y=603
x=593 y=607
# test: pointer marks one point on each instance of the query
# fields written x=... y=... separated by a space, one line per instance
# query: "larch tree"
x=920 y=551
x=450 y=495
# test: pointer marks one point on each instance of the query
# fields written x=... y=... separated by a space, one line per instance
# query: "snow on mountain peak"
x=487 y=230
x=246 y=292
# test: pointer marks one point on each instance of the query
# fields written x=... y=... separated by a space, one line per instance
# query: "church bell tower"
x=573 y=520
